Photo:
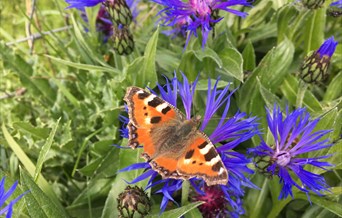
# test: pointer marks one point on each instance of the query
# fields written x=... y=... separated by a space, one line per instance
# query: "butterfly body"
x=172 y=144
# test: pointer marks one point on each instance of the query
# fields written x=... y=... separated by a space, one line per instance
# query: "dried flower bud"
x=315 y=66
x=313 y=4
x=133 y=202
x=119 y=11
x=123 y=40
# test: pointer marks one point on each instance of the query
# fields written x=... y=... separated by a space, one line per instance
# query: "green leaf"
x=269 y=98
x=39 y=87
x=25 y=160
x=248 y=55
x=232 y=63
x=202 y=85
x=257 y=14
x=272 y=74
x=133 y=72
x=207 y=53
x=334 y=89
x=87 y=67
x=45 y=149
x=284 y=16
x=271 y=71
x=148 y=69
x=26 y=127
x=106 y=164
x=332 y=206
x=38 y=203
x=178 y=212
x=337 y=56
x=314 y=29
x=290 y=90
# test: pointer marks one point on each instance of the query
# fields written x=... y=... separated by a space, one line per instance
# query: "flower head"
x=112 y=21
x=4 y=196
x=123 y=40
x=197 y=14
x=315 y=66
x=215 y=203
x=133 y=200
x=335 y=9
x=337 y=4
x=293 y=137
x=229 y=132
x=313 y=4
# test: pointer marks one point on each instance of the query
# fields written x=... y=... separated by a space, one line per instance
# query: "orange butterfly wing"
x=202 y=160
x=146 y=111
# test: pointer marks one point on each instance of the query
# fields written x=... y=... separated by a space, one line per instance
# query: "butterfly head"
x=196 y=120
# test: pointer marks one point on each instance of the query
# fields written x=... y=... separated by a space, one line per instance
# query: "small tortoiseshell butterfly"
x=173 y=145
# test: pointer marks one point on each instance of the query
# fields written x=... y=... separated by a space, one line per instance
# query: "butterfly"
x=172 y=144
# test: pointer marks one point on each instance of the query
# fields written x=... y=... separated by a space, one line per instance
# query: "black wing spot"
x=155 y=102
x=143 y=95
x=144 y=107
x=155 y=119
x=201 y=146
x=189 y=154
x=145 y=114
x=217 y=166
x=200 y=164
x=211 y=154
x=193 y=162
x=165 y=110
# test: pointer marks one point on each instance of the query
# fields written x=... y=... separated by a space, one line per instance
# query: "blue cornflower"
x=229 y=132
x=83 y=3
x=315 y=66
x=293 y=136
x=4 y=197
x=328 y=48
x=337 y=4
x=197 y=14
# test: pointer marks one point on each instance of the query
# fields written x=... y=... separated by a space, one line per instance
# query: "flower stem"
x=260 y=201
x=278 y=207
x=301 y=93
x=185 y=192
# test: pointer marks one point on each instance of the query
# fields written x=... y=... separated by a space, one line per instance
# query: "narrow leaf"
x=38 y=203
x=25 y=160
x=148 y=73
x=45 y=149
x=332 y=206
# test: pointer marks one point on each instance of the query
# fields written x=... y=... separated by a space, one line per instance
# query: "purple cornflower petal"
x=170 y=95
x=294 y=135
x=327 y=48
x=4 y=196
x=83 y=3
x=123 y=130
x=133 y=5
x=196 y=14
x=337 y=4
x=187 y=91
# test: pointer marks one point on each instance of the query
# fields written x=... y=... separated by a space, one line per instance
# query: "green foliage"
x=61 y=98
